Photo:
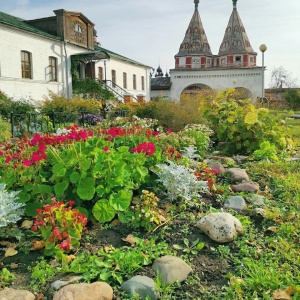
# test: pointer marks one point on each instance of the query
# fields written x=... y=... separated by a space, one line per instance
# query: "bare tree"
x=282 y=78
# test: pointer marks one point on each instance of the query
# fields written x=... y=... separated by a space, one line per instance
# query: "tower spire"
x=234 y=2
x=196 y=3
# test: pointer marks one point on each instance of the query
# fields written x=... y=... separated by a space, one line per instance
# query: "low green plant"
x=41 y=274
x=266 y=151
x=179 y=181
x=144 y=212
x=190 y=247
x=292 y=98
x=6 y=277
x=113 y=264
x=10 y=210
x=60 y=226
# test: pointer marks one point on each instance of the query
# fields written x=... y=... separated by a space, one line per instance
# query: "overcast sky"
x=151 y=31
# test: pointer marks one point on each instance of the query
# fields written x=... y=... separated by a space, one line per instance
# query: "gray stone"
x=238 y=175
x=141 y=285
x=240 y=159
x=221 y=227
x=217 y=166
x=257 y=200
x=260 y=211
x=58 y=284
x=12 y=294
x=246 y=186
x=171 y=268
x=235 y=202
x=85 y=291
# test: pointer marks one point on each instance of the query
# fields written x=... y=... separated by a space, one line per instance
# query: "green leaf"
x=86 y=188
x=126 y=217
x=186 y=242
x=59 y=170
x=61 y=187
x=75 y=177
x=105 y=275
x=200 y=246
x=177 y=247
x=85 y=164
x=100 y=190
x=30 y=208
x=103 y=212
x=121 y=200
x=113 y=182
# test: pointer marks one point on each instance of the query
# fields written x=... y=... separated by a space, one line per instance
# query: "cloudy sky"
x=150 y=31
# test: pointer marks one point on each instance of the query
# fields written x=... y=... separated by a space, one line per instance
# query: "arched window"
x=52 y=68
x=26 y=64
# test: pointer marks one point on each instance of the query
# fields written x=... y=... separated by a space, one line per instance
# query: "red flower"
x=65 y=244
x=105 y=148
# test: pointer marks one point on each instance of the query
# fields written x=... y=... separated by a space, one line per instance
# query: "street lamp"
x=263 y=49
x=105 y=60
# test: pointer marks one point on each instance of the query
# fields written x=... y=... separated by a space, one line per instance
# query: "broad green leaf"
x=103 y=212
x=86 y=188
x=121 y=200
x=105 y=275
x=75 y=177
x=61 y=187
x=85 y=164
x=100 y=190
x=126 y=217
x=30 y=208
x=59 y=170
x=113 y=182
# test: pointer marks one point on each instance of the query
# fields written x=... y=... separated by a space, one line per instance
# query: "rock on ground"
x=85 y=291
x=247 y=186
x=171 y=268
x=237 y=175
x=141 y=285
x=220 y=227
x=12 y=294
x=236 y=203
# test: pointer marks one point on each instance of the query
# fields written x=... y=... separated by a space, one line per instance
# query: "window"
x=113 y=77
x=143 y=83
x=52 y=68
x=223 y=61
x=100 y=73
x=26 y=64
x=134 y=81
x=238 y=59
x=125 y=80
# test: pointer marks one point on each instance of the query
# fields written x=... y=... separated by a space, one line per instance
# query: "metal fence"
x=22 y=124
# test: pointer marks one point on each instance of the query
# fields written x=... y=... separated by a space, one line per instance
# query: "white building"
x=197 y=68
x=37 y=57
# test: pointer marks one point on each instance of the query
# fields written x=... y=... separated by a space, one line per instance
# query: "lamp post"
x=263 y=49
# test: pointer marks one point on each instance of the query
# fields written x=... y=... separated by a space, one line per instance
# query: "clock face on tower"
x=78 y=31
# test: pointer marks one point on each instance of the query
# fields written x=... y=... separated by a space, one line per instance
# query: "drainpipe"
x=62 y=68
x=67 y=70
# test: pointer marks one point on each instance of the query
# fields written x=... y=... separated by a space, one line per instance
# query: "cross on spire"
x=196 y=3
x=234 y=2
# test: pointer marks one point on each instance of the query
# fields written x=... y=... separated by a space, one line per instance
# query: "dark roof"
x=19 y=23
x=121 y=57
x=160 y=83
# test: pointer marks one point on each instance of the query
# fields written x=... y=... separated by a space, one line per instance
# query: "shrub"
x=292 y=98
x=4 y=130
x=75 y=104
x=8 y=105
x=241 y=127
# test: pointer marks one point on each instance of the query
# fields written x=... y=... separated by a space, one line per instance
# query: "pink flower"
x=65 y=244
x=105 y=148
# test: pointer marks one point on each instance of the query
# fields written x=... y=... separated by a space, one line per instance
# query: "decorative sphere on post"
x=263 y=48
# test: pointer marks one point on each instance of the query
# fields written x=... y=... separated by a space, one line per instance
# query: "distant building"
x=197 y=68
x=37 y=57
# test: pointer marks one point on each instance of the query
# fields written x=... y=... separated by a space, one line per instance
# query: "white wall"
x=13 y=41
x=130 y=69
x=11 y=81
x=250 y=79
